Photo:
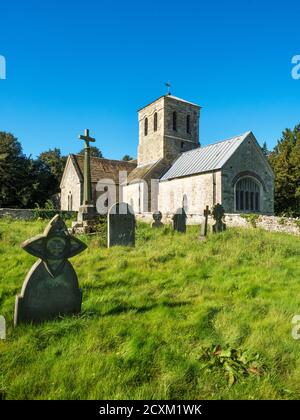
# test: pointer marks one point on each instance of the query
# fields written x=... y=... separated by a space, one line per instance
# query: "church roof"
x=204 y=159
x=172 y=97
x=103 y=168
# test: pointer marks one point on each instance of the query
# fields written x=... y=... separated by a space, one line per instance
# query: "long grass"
x=152 y=312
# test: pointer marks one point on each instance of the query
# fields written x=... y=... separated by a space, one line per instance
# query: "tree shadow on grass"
x=123 y=308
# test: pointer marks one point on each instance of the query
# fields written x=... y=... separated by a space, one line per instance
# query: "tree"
x=14 y=188
x=127 y=158
x=265 y=149
x=55 y=161
x=94 y=151
x=285 y=161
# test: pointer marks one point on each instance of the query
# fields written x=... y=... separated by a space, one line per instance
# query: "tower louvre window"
x=146 y=127
x=188 y=124
x=174 y=121
x=155 y=122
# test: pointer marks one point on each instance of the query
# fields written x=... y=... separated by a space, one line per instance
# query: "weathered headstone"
x=51 y=286
x=204 y=225
x=157 y=216
x=218 y=213
x=120 y=225
x=179 y=220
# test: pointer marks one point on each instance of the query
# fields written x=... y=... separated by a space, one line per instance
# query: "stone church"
x=173 y=170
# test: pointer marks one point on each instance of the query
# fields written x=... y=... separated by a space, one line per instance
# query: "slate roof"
x=103 y=168
x=204 y=159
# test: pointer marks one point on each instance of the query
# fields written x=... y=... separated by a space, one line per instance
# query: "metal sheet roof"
x=204 y=159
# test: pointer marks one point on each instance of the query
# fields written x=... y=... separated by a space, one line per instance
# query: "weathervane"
x=168 y=84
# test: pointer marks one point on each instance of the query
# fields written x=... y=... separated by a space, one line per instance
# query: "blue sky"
x=91 y=64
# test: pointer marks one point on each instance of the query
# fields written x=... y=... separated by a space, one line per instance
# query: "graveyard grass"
x=172 y=318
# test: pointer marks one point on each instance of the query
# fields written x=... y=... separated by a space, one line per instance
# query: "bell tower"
x=168 y=127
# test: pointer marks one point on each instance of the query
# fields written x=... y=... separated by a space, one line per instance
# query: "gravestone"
x=51 y=286
x=179 y=220
x=157 y=216
x=204 y=225
x=120 y=225
x=218 y=213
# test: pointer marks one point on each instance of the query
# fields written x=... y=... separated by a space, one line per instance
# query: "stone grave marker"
x=218 y=213
x=179 y=220
x=51 y=286
x=120 y=225
x=157 y=216
x=204 y=225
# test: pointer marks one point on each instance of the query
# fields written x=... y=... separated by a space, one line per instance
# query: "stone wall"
x=179 y=141
x=151 y=146
x=24 y=214
x=269 y=223
x=166 y=142
x=198 y=189
x=248 y=161
x=70 y=189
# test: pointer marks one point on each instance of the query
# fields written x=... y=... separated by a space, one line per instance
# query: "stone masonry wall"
x=198 y=189
x=71 y=186
x=269 y=223
x=248 y=161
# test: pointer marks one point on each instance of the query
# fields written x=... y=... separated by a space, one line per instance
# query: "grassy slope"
x=146 y=313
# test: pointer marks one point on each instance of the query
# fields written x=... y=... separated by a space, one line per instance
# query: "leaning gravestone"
x=157 y=216
x=51 y=286
x=218 y=213
x=179 y=220
x=120 y=225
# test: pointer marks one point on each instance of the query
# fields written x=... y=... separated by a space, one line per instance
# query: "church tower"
x=168 y=127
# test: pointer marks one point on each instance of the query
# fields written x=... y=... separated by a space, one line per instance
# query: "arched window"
x=188 y=124
x=146 y=127
x=175 y=121
x=155 y=122
x=247 y=195
x=70 y=201
x=185 y=203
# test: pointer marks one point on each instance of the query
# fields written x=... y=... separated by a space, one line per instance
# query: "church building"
x=173 y=170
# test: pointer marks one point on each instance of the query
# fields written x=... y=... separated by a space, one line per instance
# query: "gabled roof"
x=101 y=168
x=169 y=96
x=204 y=159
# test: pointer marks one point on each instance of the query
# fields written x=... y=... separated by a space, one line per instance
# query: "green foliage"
x=26 y=181
x=94 y=152
x=251 y=218
x=127 y=158
x=149 y=311
x=49 y=212
x=265 y=149
x=285 y=160
x=234 y=363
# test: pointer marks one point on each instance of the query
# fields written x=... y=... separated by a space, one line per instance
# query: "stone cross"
x=51 y=287
x=203 y=231
x=157 y=216
x=218 y=213
x=120 y=225
x=179 y=220
x=87 y=183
